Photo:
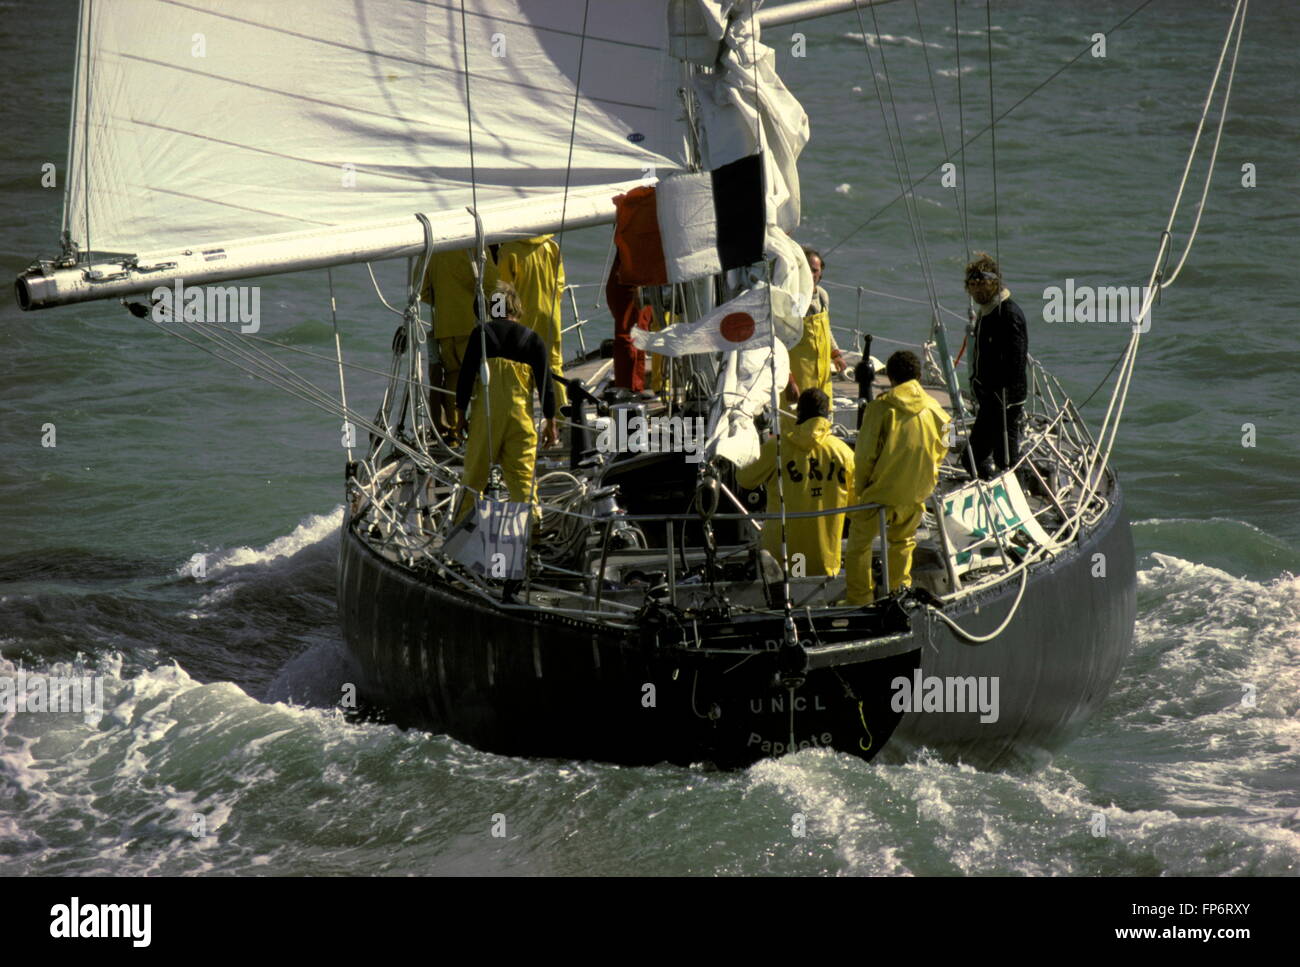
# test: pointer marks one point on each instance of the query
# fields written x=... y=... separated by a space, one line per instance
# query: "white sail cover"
x=206 y=120
x=744 y=389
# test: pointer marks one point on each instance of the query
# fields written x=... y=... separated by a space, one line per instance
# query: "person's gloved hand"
x=550 y=433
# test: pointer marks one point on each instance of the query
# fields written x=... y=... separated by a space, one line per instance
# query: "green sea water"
x=218 y=689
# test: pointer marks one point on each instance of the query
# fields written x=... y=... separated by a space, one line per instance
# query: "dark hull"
x=543 y=684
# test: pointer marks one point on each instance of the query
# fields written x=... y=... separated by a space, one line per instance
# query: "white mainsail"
x=225 y=139
x=207 y=120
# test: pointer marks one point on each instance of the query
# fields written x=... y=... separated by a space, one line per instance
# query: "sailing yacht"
x=634 y=618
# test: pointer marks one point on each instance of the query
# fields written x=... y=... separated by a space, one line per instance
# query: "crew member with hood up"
x=534 y=268
x=900 y=447
x=501 y=429
x=818 y=476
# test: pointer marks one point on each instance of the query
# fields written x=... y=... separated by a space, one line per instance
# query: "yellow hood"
x=535 y=241
x=816 y=474
x=900 y=447
x=909 y=397
x=809 y=433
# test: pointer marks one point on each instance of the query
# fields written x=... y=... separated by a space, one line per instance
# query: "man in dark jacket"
x=999 y=355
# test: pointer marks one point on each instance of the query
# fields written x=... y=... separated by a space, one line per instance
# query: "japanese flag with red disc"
x=742 y=323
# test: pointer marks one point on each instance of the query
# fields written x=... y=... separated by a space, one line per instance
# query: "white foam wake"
x=903 y=41
x=312 y=530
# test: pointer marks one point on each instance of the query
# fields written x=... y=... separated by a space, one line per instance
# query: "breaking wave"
x=875 y=40
x=1191 y=768
x=315 y=529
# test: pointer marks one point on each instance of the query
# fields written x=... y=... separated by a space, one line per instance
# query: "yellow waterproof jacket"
x=534 y=268
x=900 y=446
x=509 y=440
x=449 y=287
x=818 y=475
x=810 y=358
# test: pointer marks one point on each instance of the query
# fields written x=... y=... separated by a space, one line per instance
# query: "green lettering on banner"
x=976 y=519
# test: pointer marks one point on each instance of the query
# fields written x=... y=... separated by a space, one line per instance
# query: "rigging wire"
x=898 y=154
x=790 y=635
x=308 y=393
x=338 y=352
x=263 y=366
x=961 y=124
x=891 y=295
x=993 y=132
x=1110 y=430
x=1099 y=459
x=275 y=370
x=979 y=134
x=1214 y=153
x=481 y=256
x=914 y=215
x=1104 y=380
x=604 y=274
x=568 y=173
x=417 y=337
x=375 y=283
x=65 y=222
x=85 y=137
x=359 y=367
x=938 y=114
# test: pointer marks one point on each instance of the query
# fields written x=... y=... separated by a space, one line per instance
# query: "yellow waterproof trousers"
x=510 y=440
x=810 y=358
x=900 y=529
x=451 y=350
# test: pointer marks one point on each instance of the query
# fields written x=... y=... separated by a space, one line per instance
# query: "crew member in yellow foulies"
x=900 y=447
x=818 y=476
x=814 y=357
x=534 y=268
x=501 y=429
x=450 y=288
